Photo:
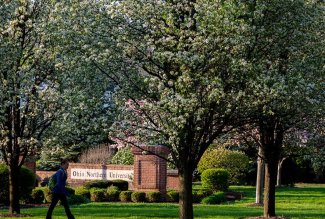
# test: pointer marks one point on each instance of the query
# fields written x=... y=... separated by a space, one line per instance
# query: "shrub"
x=113 y=193
x=215 y=198
x=77 y=199
x=124 y=156
x=199 y=195
x=101 y=184
x=37 y=196
x=83 y=192
x=125 y=196
x=172 y=196
x=97 y=195
x=138 y=197
x=70 y=190
x=26 y=184
x=215 y=179
x=47 y=194
x=104 y=184
x=120 y=184
x=4 y=186
x=154 y=196
x=235 y=162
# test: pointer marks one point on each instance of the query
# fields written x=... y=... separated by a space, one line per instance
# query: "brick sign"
x=97 y=174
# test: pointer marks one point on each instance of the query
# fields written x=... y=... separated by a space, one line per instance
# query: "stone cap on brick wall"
x=103 y=166
x=172 y=172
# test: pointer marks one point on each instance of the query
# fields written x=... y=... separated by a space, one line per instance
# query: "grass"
x=301 y=202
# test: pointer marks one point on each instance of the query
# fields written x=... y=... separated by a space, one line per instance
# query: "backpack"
x=53 y=181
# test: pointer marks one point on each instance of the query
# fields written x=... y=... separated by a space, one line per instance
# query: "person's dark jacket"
x=61 y=179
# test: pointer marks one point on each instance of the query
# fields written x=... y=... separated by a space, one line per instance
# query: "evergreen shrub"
x=199 y=195
x=235 y=162
x=120 y=184
x=215 y=198
x=154 y=196
x=104 y=184
x=101 y=184
x=125 y=196
x=47 y=194
x=97 y=195
x=4 y=186
x=70 y=190
x=77 y=199
x=113 y=193
x=215 y=179
x=172 y=196
x=26 y=184
x=83 y=192
x=138 y=197
x=37 y=196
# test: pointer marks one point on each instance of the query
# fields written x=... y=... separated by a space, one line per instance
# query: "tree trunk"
x=259 y=178
x=14 y=206
x=271 y=132
x=185 y=194
x=279 y=175
x=269 y=190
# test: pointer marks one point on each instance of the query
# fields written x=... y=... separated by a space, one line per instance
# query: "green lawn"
x=303 y=201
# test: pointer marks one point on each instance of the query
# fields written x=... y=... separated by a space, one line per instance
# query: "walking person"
x=59 y=192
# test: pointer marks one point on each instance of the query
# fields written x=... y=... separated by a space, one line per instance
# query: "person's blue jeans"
x=64 y=202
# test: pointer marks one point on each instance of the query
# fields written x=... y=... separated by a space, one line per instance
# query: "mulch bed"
x=232 y=196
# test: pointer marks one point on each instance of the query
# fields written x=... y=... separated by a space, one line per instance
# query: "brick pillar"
x=150 y=171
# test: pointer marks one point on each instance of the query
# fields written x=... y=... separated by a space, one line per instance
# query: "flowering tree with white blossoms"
x=287 y=60
x=200 y=67
x=198 y=64
x=28 y=84
x=185 y=67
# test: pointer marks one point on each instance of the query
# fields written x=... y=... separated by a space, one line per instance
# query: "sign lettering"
x=97 y=174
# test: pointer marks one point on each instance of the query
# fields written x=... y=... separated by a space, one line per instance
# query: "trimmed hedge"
x=120 y=184
x=215 y=179
x=101 y=184
x=70 y=190
x=77 y=199
x=125 y=196
x=172 y=196
x=104 y=184
x=4 y=186
x=113 y=193
x=154 y=196
x=138 y=197
x=97 y=195
x=83 y=192
x=199 y=195
x=26 y=181
x=47 y=194
x=37 y=196
x=215 y=198
x=235 y=162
